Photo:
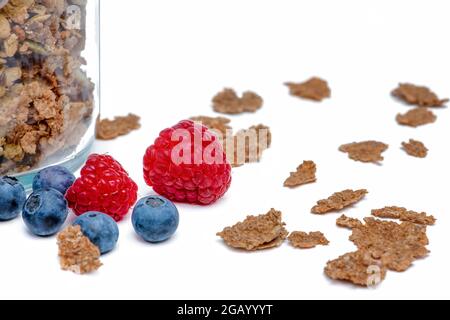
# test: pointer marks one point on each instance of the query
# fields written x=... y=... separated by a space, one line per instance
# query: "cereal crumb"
x=256 y=232
x=418 y=95
x=315 y=89
x=347 y=222
x=248 y=146
x=415 y=148
x=339 y=201
x=251 y=101
x=367 y=151
x=396 y=245
x=416 y=117
x=358 y=268
x=218 y=124
x=306 y=173
x=404 y=214
x=303 y=240
x=120 y=126
x=76 y=252
x=228 y=102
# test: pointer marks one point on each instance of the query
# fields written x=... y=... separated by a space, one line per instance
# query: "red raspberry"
x=103 y=186
x=198 y=180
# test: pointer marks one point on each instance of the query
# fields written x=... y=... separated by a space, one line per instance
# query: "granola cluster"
x=46 y=99
x=76 y=252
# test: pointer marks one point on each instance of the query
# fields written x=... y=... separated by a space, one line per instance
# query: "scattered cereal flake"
x=120 y=126
x=76 y=252
x=404 y=214
x=251 y=101
x=303 y=240
x=315 y=89
x=416 y=117
x=358 y=268
x=396 y=245
x=228 y=102
x=256 y=232
x=339 y=201
x=418 y=95
x=415 y=148
x=367 y=151
x=248 y=146
x=306 y=173
x=218 y=124
x=347 y=222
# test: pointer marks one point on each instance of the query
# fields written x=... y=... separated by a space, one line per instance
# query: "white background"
x=164 y=60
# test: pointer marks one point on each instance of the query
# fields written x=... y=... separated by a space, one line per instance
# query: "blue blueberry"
x=12 y=198
x=155 y=219
x=101 y=229
x=57 y=177
x=45 y=212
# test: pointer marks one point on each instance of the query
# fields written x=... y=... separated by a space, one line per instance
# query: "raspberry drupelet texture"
x=103 y=186
x=199 y=180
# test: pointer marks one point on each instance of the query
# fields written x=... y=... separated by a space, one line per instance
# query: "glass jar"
x=49 y=77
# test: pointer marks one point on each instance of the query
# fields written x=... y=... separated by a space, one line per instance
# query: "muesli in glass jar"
x=49 y=71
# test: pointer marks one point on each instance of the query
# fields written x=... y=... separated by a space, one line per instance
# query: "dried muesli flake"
x=415 y=148
x=404 y=214
x=218 y=124
x=256 y=232
x=119 y=126
x=358 y=268
x=367 y=151
x=416 y=117
x=418 y=95
x=339 y=201
x=396 y=245
x=248 y=146
x=251 y=101
x=76 y=252
x=229 y=102
x=315 y=89
x=347 y=222
x=306 y=173
x=303 y=240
